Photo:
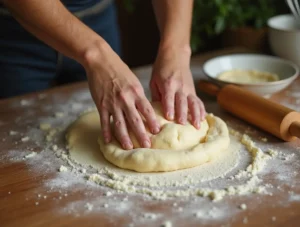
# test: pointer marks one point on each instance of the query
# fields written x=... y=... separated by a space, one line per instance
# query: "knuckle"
x=118 y=123
x=122 y=95
x=124 y=138
x=181 y=99
x=168 y=83
x=147 y=111
x=135 y=120
x=194 y=104
x=143 y=136
x=167 y=97
x=106 y=133
x=104 y=124
x=103 y=105
x=136 y=89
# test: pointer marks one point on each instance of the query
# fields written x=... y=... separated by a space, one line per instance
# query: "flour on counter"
x=25 y=139
x=63 y=168
x=139 y=199
x=59 y=114
x=243 y=206
x=45 y=126
x=30 y=155
x=13 y=133
x=167 y=224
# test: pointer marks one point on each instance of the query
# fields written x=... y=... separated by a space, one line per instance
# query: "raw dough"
x=175 y=147
x=247 y=76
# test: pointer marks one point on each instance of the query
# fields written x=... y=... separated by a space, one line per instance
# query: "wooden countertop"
x=34 y=193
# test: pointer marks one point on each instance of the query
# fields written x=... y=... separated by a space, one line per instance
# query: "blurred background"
x=216 y=24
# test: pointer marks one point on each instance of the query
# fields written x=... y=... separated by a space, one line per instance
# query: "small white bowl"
x=284 y=37
x=286 y=71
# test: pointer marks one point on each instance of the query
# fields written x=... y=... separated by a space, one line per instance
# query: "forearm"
x=174 y=21
x=52 y=23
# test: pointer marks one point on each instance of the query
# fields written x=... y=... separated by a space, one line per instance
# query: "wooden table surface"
x=34 y=193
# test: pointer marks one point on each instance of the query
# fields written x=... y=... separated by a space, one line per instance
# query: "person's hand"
x=118 y=93
x=172 y=84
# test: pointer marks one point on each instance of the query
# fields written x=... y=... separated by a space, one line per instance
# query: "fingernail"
x=182 y=121
x=170 y=116
x=156 y=130
x=146 y=144
x=128 y=146
x=197 y=124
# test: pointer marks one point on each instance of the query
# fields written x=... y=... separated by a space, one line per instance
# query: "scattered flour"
x=159 y=188
x=89 y=206
x=59 y=114
x=13 y=133
x=25 y=139
x=245 y=220
x=30 y=155
x=167 y=224
x=260 y=160
x=45 y=126
x=63 y=168
x=294 y=197
x=54 y=147
x=150 y=216
x=243 y=206
x=264 y=139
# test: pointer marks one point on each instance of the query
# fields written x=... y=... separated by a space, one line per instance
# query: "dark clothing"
x=28 y=65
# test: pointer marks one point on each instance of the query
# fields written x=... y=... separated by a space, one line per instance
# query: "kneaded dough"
x=175 y=147
x=247 y=76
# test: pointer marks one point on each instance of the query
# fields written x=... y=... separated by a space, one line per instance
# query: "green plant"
x=212 y=17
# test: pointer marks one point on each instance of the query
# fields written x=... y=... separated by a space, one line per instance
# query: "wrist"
x=95 y=53
x=174 y=51
x=172 y=48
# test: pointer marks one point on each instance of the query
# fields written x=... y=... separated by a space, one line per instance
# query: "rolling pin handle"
x=209 y=87
x=295 y=129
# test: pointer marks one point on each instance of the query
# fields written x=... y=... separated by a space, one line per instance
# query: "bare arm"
x=114 y=88
x=174 y=22
x=172 y=81
x=56 y=27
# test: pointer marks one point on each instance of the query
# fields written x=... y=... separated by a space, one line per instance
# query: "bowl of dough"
x=261 y=74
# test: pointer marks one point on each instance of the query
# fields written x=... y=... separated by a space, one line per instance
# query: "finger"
x=168 y=99
x=181 y=108
x=155 y=95
x=137 y=125
x=195 y=111
x=202 y=110
x=147 y=111
x=121 y=131
x=105 y=125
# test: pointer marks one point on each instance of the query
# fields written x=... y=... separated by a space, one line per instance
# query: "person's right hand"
x=118 y=93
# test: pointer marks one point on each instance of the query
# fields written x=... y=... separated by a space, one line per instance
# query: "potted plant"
x=237 y=22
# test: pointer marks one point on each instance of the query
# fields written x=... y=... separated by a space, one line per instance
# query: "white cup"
x=284 y=37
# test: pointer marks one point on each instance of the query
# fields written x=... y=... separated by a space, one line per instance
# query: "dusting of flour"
x=259 y=162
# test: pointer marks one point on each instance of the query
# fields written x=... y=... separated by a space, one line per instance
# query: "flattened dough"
x=247 y=76
x=175 y=147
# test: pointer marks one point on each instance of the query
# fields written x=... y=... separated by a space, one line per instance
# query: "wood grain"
x=21 y=183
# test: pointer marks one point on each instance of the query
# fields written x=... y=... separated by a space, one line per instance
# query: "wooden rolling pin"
x=274 y=118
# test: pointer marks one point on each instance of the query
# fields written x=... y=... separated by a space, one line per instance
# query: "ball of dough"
x=173 y=136
x=175 y=147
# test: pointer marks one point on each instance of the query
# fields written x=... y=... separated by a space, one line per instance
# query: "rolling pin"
x=269 y=116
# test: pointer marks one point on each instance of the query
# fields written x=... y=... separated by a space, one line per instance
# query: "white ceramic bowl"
x=284 y=37
x=286 y=71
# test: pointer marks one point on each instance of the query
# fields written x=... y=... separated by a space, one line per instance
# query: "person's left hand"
x=172 y=84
